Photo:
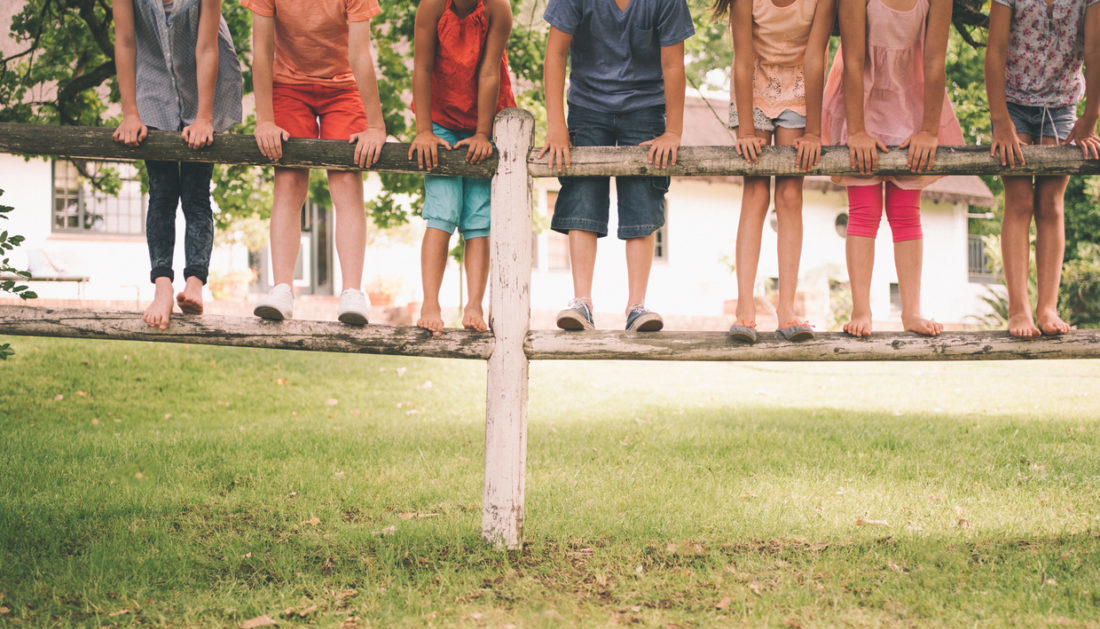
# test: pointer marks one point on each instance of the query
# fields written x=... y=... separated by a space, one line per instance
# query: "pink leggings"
x=902 y=210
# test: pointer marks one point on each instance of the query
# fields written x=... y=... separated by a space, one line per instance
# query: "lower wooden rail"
x=324 y=336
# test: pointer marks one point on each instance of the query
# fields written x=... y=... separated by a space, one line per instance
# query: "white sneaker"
x=353 y=307
x=277 y=304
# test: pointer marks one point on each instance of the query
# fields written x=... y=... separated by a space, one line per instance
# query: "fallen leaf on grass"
x=963 y=523
x=389 y=530
x=339 y=474
x=139 y=475
x=332 y=401
x=301 y=612
x=416 y=516
x=118 y=613
x=95 y=421
x=724 y=603
x=292 y=494
x=58 y=397
x=1050 y=582
x=346 y=594
x=280 y=381
x=862 y=522
x=400 y=371
x=756 y=588
x=312 y=521
x=351 y=622
x=4 y=610
x=896 y=568
x=246 y=555
x=259 y=621
x=82 y=394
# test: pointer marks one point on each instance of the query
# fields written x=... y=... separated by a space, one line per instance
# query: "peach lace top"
x=779 y=37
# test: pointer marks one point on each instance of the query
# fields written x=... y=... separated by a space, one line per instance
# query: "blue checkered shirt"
x=167 y=83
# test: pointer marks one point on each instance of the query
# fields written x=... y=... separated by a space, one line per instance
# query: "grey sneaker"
x=641 y=320
x=576 y=316
x=277 y=304
x=353 y=307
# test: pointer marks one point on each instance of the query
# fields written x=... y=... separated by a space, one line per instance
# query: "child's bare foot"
x=431 y=318
x=190 y=300
x=473 y=319
x=1022 y=326
x=159 y=312
x=920 y=325
x=1050 y=324
x=859 y=325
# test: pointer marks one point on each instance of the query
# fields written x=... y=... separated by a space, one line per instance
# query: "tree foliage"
x=9 y=276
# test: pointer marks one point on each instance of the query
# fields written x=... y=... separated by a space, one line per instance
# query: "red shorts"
x=318 y=111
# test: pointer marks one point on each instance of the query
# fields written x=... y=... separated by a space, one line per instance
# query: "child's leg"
x=755 y=199
x=351 y=225
x=291 y=187
x=433 y=261
x=1015 y=253
x=582 y=262
x=199 y=234
x=475 y=219
x=788 y=212
x=639 y=263
x=160 y=234
x=1050 y=248
x=864 y=214
x=477 y=275
x=903 y=212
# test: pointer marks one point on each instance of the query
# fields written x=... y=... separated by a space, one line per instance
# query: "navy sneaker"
x=576 y=316
x=641 y=320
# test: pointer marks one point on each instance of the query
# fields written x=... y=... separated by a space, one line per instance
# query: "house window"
x=557 y=245
x=978 y=263
x=79 y=207
x=660 y=249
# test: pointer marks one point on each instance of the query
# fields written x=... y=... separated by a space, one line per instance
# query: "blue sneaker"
x=641 y=320
x=576 y=316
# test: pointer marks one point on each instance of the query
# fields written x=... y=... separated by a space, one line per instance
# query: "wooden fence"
x=511 y=344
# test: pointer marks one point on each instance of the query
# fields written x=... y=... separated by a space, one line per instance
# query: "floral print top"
x=1045 y=52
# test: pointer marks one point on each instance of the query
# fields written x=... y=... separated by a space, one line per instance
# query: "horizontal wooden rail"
x=707 y=161
x=323 y=336
x=715 y=161
x=228 y=148
x=828 y=346
x=318 y=336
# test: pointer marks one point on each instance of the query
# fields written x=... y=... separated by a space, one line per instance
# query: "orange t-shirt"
x=311 y=38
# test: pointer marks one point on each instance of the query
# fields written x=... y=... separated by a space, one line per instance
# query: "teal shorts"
x=461 y=202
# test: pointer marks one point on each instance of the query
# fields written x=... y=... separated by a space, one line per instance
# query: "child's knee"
x=788 y=196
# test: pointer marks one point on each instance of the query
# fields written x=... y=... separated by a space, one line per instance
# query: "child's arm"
x=131 y=132
x=922 y=145
x=269 y=136
x=813 y=69
x=424 y=146
x=200 y=133
x=553 y=79
x=744 y=62
x=368 y=143
x=1084 y=131
x=488 y=80
x=1005 y=143
x=663 y=148
x=862 y=148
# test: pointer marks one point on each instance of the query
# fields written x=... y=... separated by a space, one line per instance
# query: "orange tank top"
x=460 y=46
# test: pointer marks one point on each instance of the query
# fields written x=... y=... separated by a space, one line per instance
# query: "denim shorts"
x=461 y=202
x=584 y=202
x=761 y=122
x=1038 y=121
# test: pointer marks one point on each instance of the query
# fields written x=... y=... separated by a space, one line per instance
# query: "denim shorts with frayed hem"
x=1039 y=122
x=584 y=202
x=461 y=202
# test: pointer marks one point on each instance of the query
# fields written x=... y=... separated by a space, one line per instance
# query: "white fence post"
x=510 y=318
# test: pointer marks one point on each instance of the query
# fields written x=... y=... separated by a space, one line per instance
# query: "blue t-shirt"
x=615 y=55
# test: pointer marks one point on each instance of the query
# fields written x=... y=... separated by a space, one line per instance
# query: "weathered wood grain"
x=314 y=336
x=228 y=148
x=502 y=510
x=828 y=346
x=714 y=161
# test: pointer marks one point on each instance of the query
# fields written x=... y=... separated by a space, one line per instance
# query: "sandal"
x=796 y=331
x=743 y=331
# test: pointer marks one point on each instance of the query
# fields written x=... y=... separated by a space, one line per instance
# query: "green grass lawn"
x=186 y=486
